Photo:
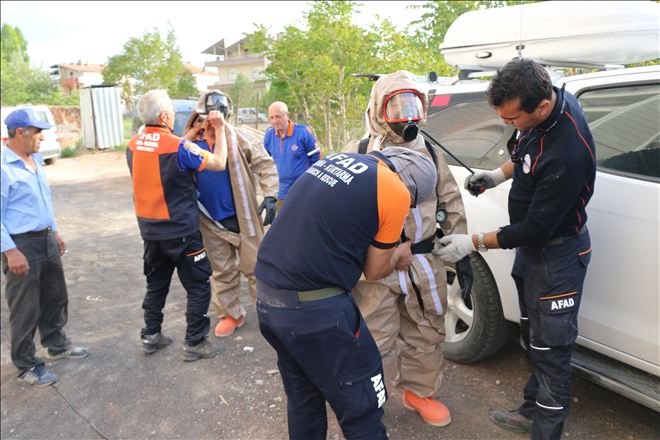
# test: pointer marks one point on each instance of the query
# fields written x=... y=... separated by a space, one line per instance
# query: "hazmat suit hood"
x=379 y=130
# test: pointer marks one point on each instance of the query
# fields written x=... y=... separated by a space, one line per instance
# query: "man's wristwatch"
x=481 y=245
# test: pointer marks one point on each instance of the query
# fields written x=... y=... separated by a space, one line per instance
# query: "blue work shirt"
x=293 y=153
x=215 y=189
x=26 y=203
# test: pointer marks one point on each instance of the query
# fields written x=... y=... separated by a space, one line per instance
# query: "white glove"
x=489 y=179
x=454 y=247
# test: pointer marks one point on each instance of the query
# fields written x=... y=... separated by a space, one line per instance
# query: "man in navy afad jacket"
x=553 y=166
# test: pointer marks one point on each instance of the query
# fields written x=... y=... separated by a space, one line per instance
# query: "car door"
x=619 y=315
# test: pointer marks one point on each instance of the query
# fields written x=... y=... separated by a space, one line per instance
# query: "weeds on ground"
x=68 y=152
x=121 y=147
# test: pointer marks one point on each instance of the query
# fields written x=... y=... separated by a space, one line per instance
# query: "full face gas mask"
x=214 y=101
x=403 y=111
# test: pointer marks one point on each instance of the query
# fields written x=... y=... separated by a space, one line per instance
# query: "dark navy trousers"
x=549 y=282
x=188 y=256
x=324 y=353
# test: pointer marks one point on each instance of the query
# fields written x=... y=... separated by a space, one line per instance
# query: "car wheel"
x=49 y=161
x=240 y=121
x=476 y=328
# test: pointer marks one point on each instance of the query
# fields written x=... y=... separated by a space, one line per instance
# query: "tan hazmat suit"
x=408 y=336
x=230 y=253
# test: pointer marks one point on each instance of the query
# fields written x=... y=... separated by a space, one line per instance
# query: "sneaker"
x=38 y=376
x=69 y=353
x=511 y=421
x=203 y=350
x=153 y=343
x=227 y=325
x=430 y=410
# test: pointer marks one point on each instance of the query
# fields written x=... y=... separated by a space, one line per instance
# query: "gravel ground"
x=119 y=393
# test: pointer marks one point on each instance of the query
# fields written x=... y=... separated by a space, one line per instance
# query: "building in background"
x=74 y=77
x=234 y=59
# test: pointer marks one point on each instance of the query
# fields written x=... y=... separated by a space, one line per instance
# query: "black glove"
x=270 y=205
x=465 y=277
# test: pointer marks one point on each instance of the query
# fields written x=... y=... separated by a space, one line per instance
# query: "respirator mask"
x=403 y=111
x=214 y=101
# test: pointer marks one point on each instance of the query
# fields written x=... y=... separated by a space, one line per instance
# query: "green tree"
x=21 y=84
x=241 y=93
x=150 y=62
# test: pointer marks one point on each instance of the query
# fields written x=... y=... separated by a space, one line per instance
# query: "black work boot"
x=153 y=343
x=203 y=350
x=511 y=421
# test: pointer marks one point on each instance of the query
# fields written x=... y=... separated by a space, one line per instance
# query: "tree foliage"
x=20 y=83
x=312 y=65
x=242 y=93
x=150 y=62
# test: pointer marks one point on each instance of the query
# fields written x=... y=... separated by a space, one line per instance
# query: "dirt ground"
x=120 y=393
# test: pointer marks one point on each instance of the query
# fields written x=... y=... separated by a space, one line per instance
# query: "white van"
x=50 y=147
x=249 y=116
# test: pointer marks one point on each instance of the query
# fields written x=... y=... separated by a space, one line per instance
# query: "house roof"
x=96 y=68
x=219 y=47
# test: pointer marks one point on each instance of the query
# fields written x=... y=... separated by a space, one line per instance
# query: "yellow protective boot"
x=433 y=412
x=227 y=325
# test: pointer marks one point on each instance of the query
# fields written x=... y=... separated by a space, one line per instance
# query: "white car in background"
x=619 y=320
x=50 y=147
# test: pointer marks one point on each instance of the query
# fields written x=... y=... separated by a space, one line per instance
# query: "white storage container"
x=555 y=33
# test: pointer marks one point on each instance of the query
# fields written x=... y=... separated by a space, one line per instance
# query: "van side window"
x=624 y=124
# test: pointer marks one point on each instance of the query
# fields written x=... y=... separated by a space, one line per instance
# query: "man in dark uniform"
x=163 y=167
x=553 y=166
x=343 y=216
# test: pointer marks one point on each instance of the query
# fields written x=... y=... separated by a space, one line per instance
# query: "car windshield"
x=41 y=115
x=180 y=119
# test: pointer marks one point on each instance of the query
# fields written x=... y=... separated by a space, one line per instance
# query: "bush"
x=68 y=152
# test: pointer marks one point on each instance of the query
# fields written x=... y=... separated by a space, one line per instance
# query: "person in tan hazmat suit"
x=230 y=219
x=404 y=311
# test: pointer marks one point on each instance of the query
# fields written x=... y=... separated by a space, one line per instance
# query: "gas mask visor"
x=213 y=101
x=404 y=106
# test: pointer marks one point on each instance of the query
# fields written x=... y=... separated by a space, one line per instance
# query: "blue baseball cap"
x=25 y=117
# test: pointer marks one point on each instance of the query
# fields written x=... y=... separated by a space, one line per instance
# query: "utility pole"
x=256 y=119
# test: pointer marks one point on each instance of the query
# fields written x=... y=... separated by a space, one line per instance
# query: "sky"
x=61 y=32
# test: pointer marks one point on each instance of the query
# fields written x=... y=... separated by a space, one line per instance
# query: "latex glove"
x=480 y=181
x=455 y=247
x=270 y=205
x=465 y=277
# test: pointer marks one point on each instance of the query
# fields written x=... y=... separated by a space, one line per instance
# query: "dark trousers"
x=549 y=281
x=36 y=300
x=188 y=256
x=324 y=353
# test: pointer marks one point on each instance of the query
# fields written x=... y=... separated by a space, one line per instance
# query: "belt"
x=32 y=234
x=423 y=247
x=290 y=297
x=559 y=240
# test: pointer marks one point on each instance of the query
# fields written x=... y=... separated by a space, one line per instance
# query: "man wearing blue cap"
x=31 y=253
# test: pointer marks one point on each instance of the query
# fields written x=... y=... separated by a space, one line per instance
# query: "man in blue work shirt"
x=292 y=146
x=31 y=253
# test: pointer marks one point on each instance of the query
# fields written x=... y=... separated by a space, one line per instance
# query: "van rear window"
x=469 y=128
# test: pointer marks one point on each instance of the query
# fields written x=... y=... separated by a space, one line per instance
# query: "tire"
x=475 y=329
x=240 y=121
x=49 y=161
